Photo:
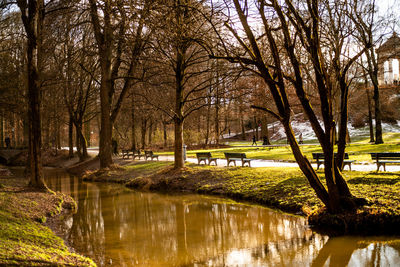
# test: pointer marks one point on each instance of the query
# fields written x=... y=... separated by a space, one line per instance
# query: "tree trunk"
x=71 y=137
x=256 y=128
x=1 y=130
x=133 y=125
x=26 y=130
x=370 y=124
x=306 y=167
x=206 y=139
x=58 y=136
x=264 y=130
x=143 y=131
x=32 y=14
x=104 y=40
x=81 y=145
x=378 y=116
x=165 y=134
x=150 y=132
x=217 y=131
x=179 y=90
x=46 y=143
x=87 y=133
x=105 y=148
x=78 y=143
x=179 y=161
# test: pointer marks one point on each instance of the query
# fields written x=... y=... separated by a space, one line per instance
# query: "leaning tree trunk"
x=305 y=166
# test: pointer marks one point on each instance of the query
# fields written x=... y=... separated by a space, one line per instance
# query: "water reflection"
x=119 y=227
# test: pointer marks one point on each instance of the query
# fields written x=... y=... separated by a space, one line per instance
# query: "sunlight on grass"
x=358 y=151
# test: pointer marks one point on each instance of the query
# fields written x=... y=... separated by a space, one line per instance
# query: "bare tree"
x=32 y=14
x=182 y=65
x=118 y=59
x=368 y=25
x=294 y=36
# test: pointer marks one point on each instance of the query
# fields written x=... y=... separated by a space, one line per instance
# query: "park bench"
x=382 y=158
x=319 y=157
x=137 y=154
x=150 y=155
x=233 y=157
x=126 y=153
x=205 y=156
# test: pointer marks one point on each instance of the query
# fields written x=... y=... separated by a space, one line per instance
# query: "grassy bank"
x=24 y=240
x=358 y=151
x=281 y=188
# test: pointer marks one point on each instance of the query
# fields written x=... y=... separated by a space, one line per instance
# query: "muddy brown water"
x=116 y=226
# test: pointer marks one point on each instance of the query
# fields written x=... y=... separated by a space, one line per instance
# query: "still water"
x=116 y=226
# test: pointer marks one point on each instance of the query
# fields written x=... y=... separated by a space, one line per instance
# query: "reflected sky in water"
x=119 y=227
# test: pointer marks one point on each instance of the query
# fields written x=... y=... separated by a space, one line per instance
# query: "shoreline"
x=286 y=190
x=25 y=235
x=281 y=189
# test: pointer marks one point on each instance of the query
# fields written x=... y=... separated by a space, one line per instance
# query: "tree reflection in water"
x=114 y=225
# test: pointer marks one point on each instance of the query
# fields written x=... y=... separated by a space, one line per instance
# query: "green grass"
x=149 y=167
x=358 y=151
x=283 y=188
x=25 y=242
x=287 y=187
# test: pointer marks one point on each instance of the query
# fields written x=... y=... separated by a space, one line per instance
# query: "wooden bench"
x=320 y=158
x=382 y=158
x=150 y=155
x=137 y=154
x=233 y=157
x=204 y=156
x=126 y=153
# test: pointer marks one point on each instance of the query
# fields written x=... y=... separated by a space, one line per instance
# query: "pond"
x=116 y=226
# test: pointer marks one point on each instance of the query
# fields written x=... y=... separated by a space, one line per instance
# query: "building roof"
x=391 y=44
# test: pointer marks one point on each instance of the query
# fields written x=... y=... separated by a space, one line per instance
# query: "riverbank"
x=285 y=189
x=24 y=239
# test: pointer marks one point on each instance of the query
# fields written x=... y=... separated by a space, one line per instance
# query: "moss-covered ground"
x=24 y=240
x=285 y=189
